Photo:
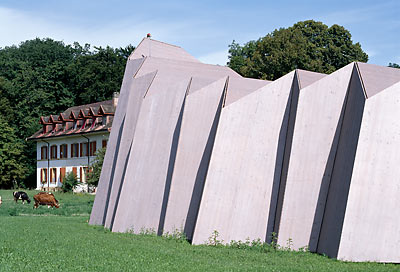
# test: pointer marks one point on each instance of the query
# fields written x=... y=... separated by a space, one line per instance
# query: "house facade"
x=68 y=142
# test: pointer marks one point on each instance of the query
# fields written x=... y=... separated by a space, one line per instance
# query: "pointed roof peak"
x=376 y=78
x=306 y=78
x=153 y=48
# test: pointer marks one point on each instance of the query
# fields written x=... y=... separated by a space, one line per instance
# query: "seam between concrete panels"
x=361 y=80
x=151 y=82
x=225 y=92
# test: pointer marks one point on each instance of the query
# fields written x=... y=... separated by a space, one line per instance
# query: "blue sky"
x=204 y=28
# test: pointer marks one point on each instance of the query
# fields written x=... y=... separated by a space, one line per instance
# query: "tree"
x=394 y=65
x=69 y=183
x=43 y=76
x=11 y=156
x=94 y=175
x=306 y=45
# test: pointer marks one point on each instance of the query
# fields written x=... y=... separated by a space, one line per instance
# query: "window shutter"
x=75 y=172
x=41 y=175
x=55 y=152
x=62 y=174
x=104 y=143
x=94 y=148
x=80 y=172
x=81 y=149
x=72 y=150
x=66 y=151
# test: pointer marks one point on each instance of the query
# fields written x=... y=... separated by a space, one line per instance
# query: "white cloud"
x=17 y=26
x=219 y=57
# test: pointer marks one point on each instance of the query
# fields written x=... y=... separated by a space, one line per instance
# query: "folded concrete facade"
x=196 y=148
x=329 y=147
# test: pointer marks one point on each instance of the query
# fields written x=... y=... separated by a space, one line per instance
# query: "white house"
x=68 y=142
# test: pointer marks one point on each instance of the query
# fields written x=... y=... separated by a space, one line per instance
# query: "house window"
x=62 y=174
x=63 y=151
x=99 y=121
x=104 y=143
x=74 y=150
x=92 y=150
x=84 y=149
x=43 y=153
x=53 y=152
x=53 y=175
x=43 y=175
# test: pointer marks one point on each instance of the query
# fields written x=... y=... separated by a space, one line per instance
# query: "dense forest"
x=41 y=77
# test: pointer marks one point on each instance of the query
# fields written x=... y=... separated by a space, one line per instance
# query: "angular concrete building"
x=242 y=186
x=312 y=157
x=154 y=67
x=200 y=122
x=332 y=156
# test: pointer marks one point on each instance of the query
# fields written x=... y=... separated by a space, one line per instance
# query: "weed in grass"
x=214 y=240
x=289 y=244
x=176 y=235
x=256 y=245
x=148 y=232
x=274 y=240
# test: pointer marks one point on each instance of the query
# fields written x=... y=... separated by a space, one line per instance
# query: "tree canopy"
x=94 y=175
x=41 y=77
x=394 y=65
x=308 y=45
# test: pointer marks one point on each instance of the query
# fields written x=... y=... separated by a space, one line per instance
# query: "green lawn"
x=61 y=240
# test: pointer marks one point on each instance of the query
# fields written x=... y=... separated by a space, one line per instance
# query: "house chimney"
x=115 y=99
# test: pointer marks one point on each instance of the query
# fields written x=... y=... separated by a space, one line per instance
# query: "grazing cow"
x=21 y=196
x=43 y=198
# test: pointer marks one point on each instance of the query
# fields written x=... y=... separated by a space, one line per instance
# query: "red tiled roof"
x=60 y=130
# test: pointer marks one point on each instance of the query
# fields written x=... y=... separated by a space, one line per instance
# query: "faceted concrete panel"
x=140 y=85
x=152 y=48
x=100 y=204
x=147 y=179
x=241 y=174
x=199 y=124
x=307 y=78
x=169 y=71
x=239 y=87
x=347 y=133
x=377 y=78
x=302 y=79
x=318 y=113
x=371 y=224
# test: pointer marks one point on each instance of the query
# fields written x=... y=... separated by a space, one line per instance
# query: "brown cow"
x=45 y=199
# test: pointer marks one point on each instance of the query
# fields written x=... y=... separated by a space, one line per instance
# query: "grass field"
x=61 y=240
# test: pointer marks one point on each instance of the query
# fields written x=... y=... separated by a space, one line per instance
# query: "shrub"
x=70 y=181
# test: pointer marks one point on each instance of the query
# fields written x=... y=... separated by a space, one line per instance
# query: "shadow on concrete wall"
x=110 y=182
x=171 y=164
x=282 y=161
x=114 y=210
x=335 y=185
x=193 y=211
